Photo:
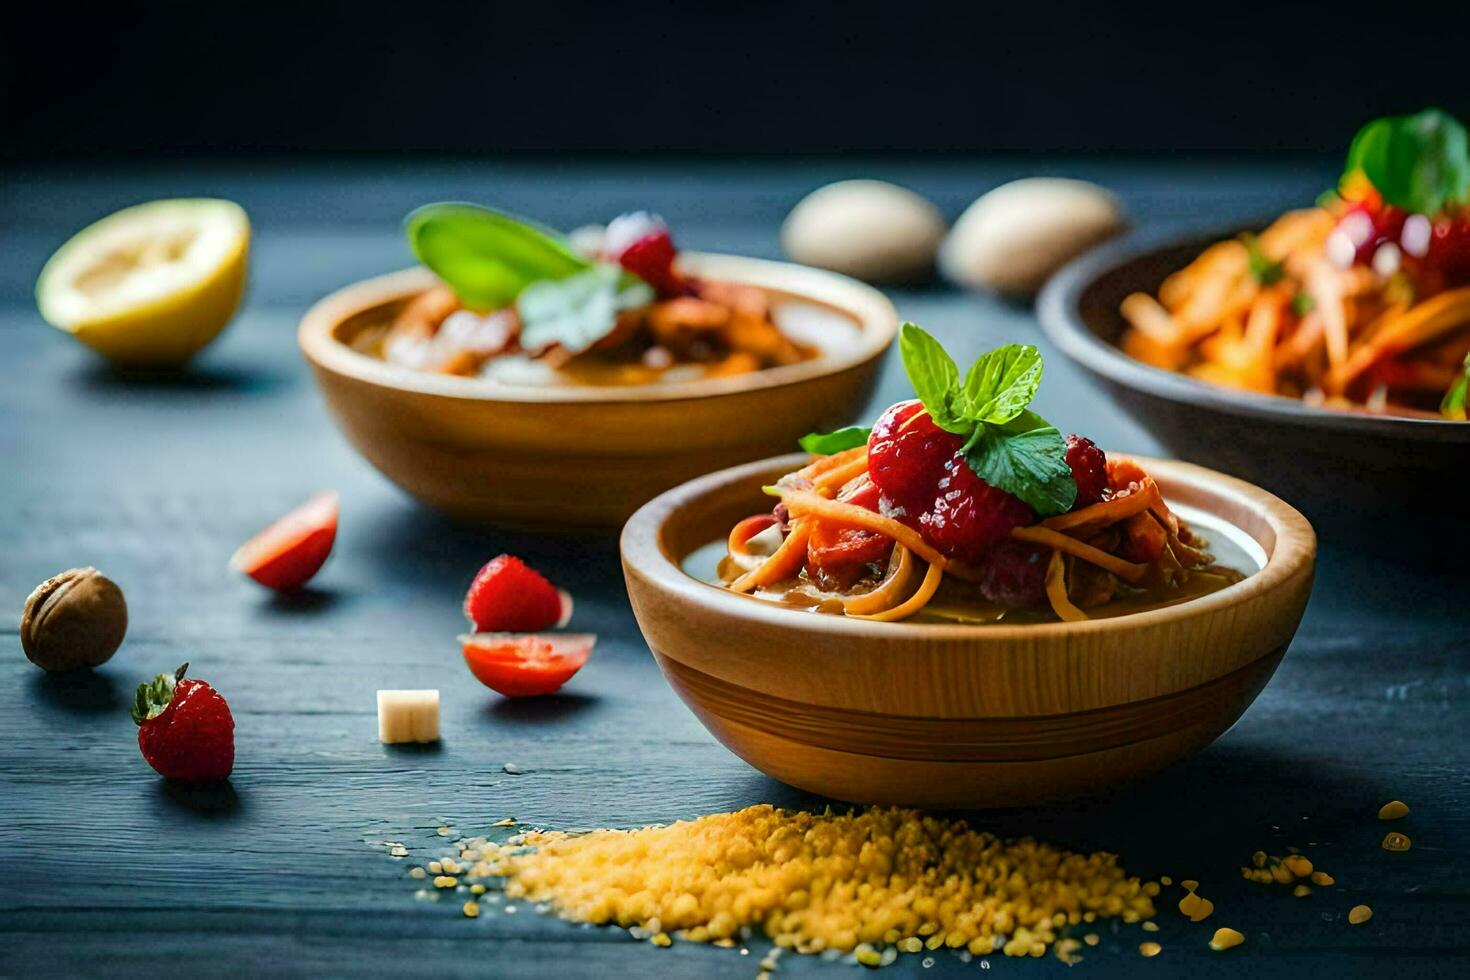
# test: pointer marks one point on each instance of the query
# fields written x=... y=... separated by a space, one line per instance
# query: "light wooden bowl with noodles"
x=565 y=456
x=946 y=715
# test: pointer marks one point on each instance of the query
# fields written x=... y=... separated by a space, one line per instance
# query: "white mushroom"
x=1014 y=237
x=868 y=229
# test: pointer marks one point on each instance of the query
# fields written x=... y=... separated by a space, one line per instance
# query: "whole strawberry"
x=185 y=730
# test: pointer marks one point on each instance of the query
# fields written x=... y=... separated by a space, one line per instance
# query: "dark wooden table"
x=108 y=870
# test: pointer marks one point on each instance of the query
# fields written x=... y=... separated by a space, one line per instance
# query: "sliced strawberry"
x=509 y=596
x=640 y=242
x=521 y=665
x=288 y=553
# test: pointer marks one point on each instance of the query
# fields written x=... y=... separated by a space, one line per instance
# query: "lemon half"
x=151 y=284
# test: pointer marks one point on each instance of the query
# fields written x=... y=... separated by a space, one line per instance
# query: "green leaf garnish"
x=578 y=311
x=1009 y=447
x=827 y=443
x=485 y=256
x=935 y=378
x=1453 y=406
x=1002 y=383
x=1302 y=304
x=1263 y=270
x=1027 y=458
x=1418 y=163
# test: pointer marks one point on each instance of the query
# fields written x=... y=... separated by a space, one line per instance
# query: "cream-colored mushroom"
x=1013 y=238
x=868 y=229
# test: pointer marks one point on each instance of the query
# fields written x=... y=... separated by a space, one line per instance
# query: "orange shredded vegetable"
x=785 y=563
x=806 y=502
x=915 y=602
x=1056 y=590
x=1126 y=570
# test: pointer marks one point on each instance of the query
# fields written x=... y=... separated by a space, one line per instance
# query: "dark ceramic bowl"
x=1383 y=482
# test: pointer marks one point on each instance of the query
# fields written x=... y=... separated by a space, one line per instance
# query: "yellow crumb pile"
x=812 y=882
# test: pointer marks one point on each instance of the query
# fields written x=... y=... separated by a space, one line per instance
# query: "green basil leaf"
x=1002 y=383
x=486 y=257
x=1263 y=270
x=1418 y=163
x=935 y=378
x=1453 y=406
x=827 y=443
x=1026 y=457
x=578 y=311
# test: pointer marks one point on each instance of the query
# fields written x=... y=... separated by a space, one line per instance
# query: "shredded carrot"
x=822 y=464
x=1126 y=570
x=741 y=533
x=1056 y=590
x=833 y=479
x=915 y=602
x=806 y=502
x=1109 y=511
x=889 y=592
x=785 y=563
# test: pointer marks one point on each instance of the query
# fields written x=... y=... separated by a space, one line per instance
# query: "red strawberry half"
x=969 y=515
x=640 y=242
x=508 y=596
x=287 y=554
x=185 y=730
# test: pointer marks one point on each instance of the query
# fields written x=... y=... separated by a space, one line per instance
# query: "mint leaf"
x=1453 y=406
x=578 y=311
x=1027 y=458
x=1263 y=270
x=1418 y=163
x=485 y=256
x=935 y=377
x=1002 y=383
x=1302 y=304
x=827 y=443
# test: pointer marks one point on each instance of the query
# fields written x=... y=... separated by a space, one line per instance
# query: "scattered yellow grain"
x=871 y=883
x=477 y=889
x=444 y=831
x=1150 y=926
x=1225 y=938
x=1092 y=939
x=1323 y=878
x=1297 y=864
x=1189 y=884
x=1150 y=949
x=1198 y=909
x=1359 y=914
x=436 y=868
x=445 y=881
x=1396 y=841
x=1068 y=951
x=417 y=873
x=398 y=851
x=471 y=909
x=1259 y=859
x=1166 y=880
x=1301 y=891
x=661 y=939
x=507 y=822
x=1392 y=810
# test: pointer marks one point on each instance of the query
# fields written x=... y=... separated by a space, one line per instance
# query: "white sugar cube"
x=408 y=716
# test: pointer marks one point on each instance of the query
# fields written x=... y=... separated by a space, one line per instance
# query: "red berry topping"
x=1013 y=574
x=641 y=243
x=507 y=596
x=287 y=554
x=1089 y=468
x=837 y=556
x=969 y=515
x=185 y=730
x=907 y=454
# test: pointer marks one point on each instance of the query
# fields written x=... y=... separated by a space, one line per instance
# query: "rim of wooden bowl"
x=645 y=550
x=1058 y=308
x=876 y=317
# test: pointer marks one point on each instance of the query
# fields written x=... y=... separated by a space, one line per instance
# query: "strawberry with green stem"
x=185 y=730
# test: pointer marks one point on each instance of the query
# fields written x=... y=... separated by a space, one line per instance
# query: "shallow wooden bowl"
x=963 y=716
x=582 y=456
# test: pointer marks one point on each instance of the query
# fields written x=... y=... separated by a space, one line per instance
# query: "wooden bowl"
x=1400 y=480
x=944 y=715
x=582 y=456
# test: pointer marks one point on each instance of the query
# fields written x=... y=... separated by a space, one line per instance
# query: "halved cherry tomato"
x=288 y=553
x=521 y=665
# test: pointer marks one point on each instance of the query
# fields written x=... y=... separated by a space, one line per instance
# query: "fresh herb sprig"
x=1006 y=444
x=1419 y=163
x=1453 y=406
x=491 y=259
x=1263 y=269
